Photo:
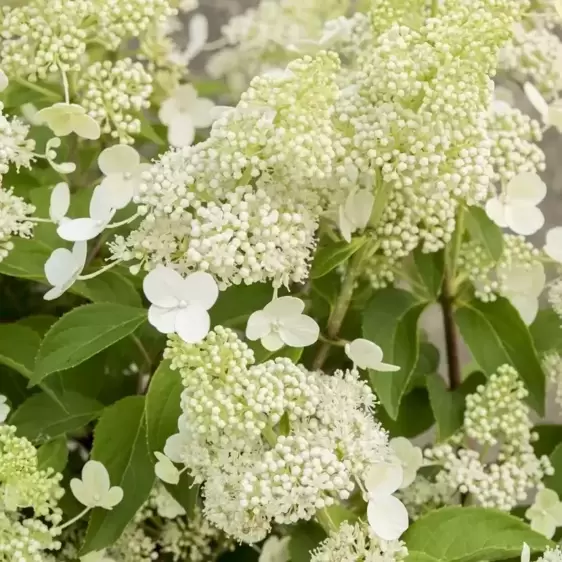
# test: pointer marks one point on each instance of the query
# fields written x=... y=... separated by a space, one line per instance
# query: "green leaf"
x=237 y=303
x=471 y=534
x=109 y=287
x=415 y=556
x=26 y=260
x=550 y=435
x=546 y=331
x=120 y=444
x=329 y=257
x=162 y=412
x=39 y=323
x=18 y=347
x=306 y=536
x=415 y=415
x=428 y=363
x=42 y=418
x=391 y=321
x=430 y=270
x=484 y=231
x=83 y=332
x=149 y=133
x=53 y=454
x=496 y=335
x=554 y=482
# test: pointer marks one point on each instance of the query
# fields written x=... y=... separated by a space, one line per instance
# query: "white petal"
x=524 y=281
x=524 y=220
x=272 y=341
x=174 y=448
x=86 y=127
x=54 y=293
x=201 y=288
x=364 y=353
x=193 y=323
x=59 y=266
x=525 y=553
x=168 y=111
x=118 y=159
x=77 y=230
x=358 y=208
x=527 y=307
x=4 y=411
x=283 y=307
x=181 y=131
x=3 y=80
x=96 y=477
x=202 y=113
x=258 y=326
x=544 y=524
x=383 y=479
x=555 y=115
x=388 y=517
x=165 y=469
x=553 y=246
x=299 y=331
x=101 y=208
x=526 y=188
x=79 y=253
x=115 y=192
x=60 y=202
x=536 y=99
x=82 y=493
x=345 y=225
x=112 y=497
x=198 y=33
x=496 y=210
x=164 y=287
x=163 y=319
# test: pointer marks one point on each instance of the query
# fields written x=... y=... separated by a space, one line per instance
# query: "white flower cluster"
x=114 y=93
x=14 y=215
x=555 y=296
x=552 y=365
x=424 y=495
x=357 y=543
x=272 y=442
x=29 y=515
x=497 y=416
x=551 y=555
x=15 y=147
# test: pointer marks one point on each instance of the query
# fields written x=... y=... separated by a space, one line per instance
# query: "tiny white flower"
x=275 y=549
x=63 y=267
x=368 y=355
x=198 y=34
x=522 y=287
x=387 y=515
x=180 y=305
x=94 y=489
x=546 y=513
x=281 y=322
x=66 y=118
x=553 y=246
x=183 y=113
x=59 y=203
x=410 y=457
x=551 y=115
x=96 y=556
x=3 y=80
x=355 y=213
x=87 y=228
x=122 y=168
x=525 y=553
x=165 y=469
x=517 y=208
x=4 y=408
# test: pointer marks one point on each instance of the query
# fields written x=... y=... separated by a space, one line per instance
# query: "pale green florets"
x=357 y=543
x=551 y=555
x=555 y=296
x=552 y=365
x=490 y=278
x=114 y=94
x=15 y=147
x=424 y=495
x=272 y=442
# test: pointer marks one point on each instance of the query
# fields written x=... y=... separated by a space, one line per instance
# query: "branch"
x=451 y=336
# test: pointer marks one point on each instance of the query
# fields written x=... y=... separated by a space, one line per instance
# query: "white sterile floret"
x=3 y=80
x=282 y=322
x=354 y=214
x=551 y=114
x=94 y=488
x=275 y=549
x=198 y=34
x=63 y=267
x=545 y=514
x=366 y=354
x=387 y=515
x=522 y=286
x=335 y=30
x=165 y=469
x=66 y=118
x=517 y=207
x=525 y=553
x=410 y=457
x=180 y=305
x=87 y=228
x=122 y=168
x=59 y=203
x=183 y=113
x=553 y=246
x=4 y=408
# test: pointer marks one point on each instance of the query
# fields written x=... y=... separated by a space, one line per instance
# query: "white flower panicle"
x=272 y=442
x=552 y=365
x=15 y=148
x=356 y=543
x=14 y=220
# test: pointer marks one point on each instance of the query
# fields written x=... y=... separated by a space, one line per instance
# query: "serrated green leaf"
x=39 y=323
x=109 y=287
x=496 y=335
x=471 y=534
x=18 y=347
x=484 y=231
x=82 y=333
x=430 y=270
x=53 y=454
x=415 y=556
x=41 y=417
x=120 y=444
x=330 y=256
x=391 y=321
x=26 y=260
x=546 y=331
